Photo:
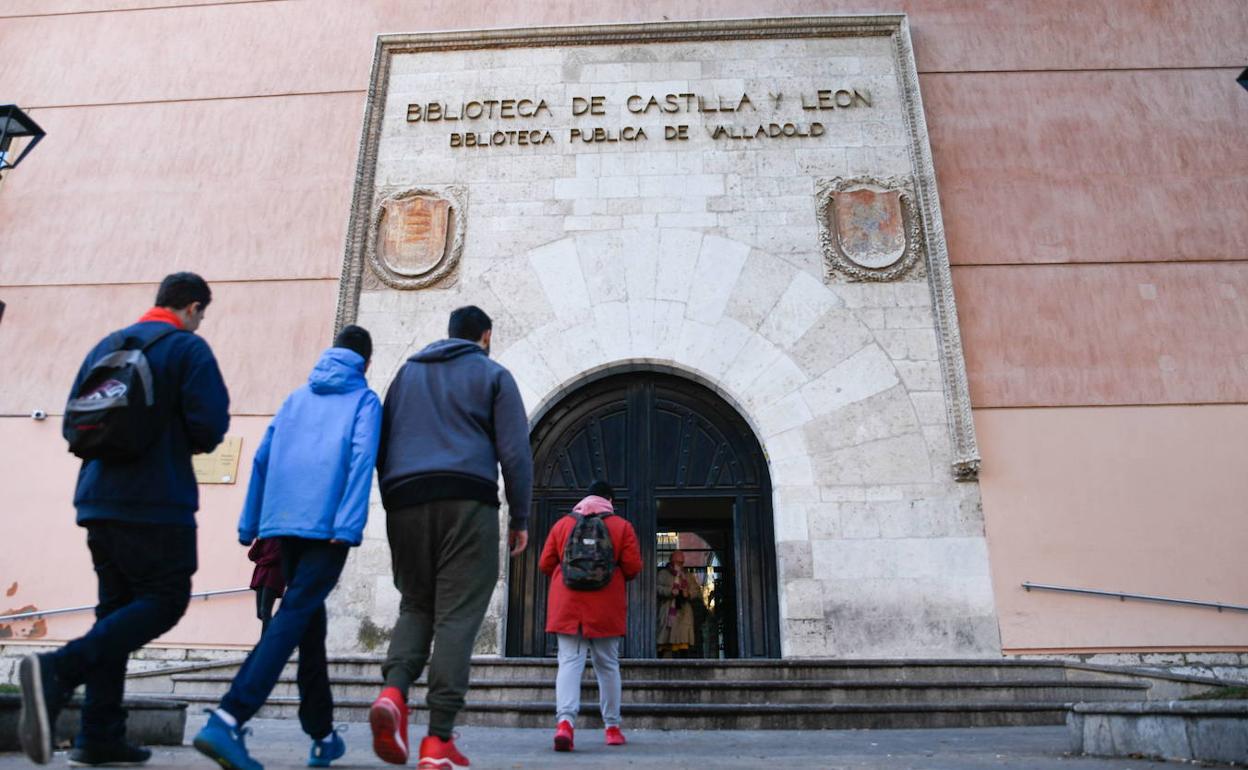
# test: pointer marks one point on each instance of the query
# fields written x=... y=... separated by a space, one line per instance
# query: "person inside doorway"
x=678 y=590
x=589 y=555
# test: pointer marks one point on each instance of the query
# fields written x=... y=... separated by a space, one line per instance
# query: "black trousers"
x=143 y=572
x=311 y=569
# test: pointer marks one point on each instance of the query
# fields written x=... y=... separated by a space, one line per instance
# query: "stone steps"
x=676 y=691
x=743 y=694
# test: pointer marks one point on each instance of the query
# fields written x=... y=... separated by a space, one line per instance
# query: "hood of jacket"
x=594 y=504
x=445 y=350
x=338 y=371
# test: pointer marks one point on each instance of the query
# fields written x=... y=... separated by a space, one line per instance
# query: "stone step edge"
x=1181 y=708
x=741 y=684
x=705 y=708
x=746 y=663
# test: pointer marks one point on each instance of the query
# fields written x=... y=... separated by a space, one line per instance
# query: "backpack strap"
x=125 y=354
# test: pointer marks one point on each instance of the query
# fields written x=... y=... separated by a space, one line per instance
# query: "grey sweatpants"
x=445 y=560
x=606 y=655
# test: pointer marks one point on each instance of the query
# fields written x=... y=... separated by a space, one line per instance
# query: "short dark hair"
x=355 y=338
x=468 y=323
x=181 y=289
x=602 y=489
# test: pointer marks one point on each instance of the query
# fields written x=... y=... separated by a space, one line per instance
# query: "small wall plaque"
x=220 y=466
x=417 y=236
x=867 y=227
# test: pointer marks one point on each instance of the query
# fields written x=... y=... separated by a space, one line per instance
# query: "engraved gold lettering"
x=413 y=113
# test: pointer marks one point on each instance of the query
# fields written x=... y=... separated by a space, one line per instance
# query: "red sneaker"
x=563 y=736
x=615 y=737
x=388 y=718
x=437 y=754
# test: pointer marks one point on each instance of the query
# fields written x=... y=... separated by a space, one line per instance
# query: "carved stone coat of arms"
x=868 y=228
x=417 y=237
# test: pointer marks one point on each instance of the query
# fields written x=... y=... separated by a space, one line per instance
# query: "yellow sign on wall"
x=219 y=466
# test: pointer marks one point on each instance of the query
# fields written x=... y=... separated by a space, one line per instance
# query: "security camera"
x=38 y=414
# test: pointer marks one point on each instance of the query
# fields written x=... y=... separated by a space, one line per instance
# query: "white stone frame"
x=965 y=452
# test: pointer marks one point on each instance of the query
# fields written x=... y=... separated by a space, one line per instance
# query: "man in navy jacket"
x=140 y=520
x=310 y=483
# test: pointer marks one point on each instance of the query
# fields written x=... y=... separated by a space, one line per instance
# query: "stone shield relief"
x=417 y=237
x=868 y=229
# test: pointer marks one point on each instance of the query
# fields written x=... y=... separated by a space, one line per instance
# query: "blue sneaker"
x=326 y=750
x=224 y=745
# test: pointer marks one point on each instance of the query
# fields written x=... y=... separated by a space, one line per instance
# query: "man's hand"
x=335 y=541
x=517 y=540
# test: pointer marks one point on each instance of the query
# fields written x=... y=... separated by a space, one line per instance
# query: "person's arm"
x=552 y=552
x=664 y=584
x=205 y=400
x=511 y=442
x=249 y=519
x=353 y=509
x=387 y=416
x=630 y=553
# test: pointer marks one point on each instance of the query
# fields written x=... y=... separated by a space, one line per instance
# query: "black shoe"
x=120 y=754
x=41 y=702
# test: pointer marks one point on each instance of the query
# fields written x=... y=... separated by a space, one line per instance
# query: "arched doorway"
x=688 y=471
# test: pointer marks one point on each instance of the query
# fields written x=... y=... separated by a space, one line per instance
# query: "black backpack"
x=588 y=555
x=113 y=414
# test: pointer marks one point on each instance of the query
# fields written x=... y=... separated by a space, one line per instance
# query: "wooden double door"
x=680 y=459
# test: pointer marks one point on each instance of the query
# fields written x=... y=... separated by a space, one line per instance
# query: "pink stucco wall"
x=1145 y=500
x=1101 y=138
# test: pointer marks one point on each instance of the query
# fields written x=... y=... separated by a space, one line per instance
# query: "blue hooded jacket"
x=313 y=470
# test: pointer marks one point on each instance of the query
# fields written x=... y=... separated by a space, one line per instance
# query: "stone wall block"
x=784 y=414
x=669 y=319
x=883 y=415
x=860 y=376
x=792 y=561
x=898 y=460
x=801 y=305
x=678 y=254
x=804 y=599
x=642 y=342
x=612 y=330
x=920 y=375
x=757 y=357
x=834 y=337
x=715 y=274
x=558 y=270
x=781 y=380
x=728 y=338
x=785 y=445
x=525 y=362
x=790 y=522
x=762 y=281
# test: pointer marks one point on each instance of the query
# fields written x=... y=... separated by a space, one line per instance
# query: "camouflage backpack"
x=588 y=555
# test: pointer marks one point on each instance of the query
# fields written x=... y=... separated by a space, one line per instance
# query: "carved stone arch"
x=654 y=436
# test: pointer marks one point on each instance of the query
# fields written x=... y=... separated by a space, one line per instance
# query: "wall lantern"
x=16 y=124
x=1243 y=78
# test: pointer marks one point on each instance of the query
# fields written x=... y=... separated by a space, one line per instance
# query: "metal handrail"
x=1123 y=596
x=67 y=610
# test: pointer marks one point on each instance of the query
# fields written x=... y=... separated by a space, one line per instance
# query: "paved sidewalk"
x=279 y=745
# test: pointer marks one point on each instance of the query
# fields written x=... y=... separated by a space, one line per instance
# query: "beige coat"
x=675 y=623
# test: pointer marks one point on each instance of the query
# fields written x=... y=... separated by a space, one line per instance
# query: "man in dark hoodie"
x=140 y=520
x=451 y=417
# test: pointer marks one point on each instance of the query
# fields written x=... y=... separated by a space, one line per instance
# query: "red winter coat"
x=594 y=614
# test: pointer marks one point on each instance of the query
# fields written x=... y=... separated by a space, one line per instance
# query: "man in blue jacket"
x=140 y=520
x=310 y=483
x=452 y=417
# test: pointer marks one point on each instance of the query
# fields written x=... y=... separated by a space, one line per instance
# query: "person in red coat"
x=590 y=622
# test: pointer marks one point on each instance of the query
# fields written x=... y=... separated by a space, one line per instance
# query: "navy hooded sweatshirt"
x=450 y=418
x=159 y=486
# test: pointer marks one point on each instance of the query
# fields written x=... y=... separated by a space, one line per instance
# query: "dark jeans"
x=445 y=560
x=311 y=569
x=144 y=575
